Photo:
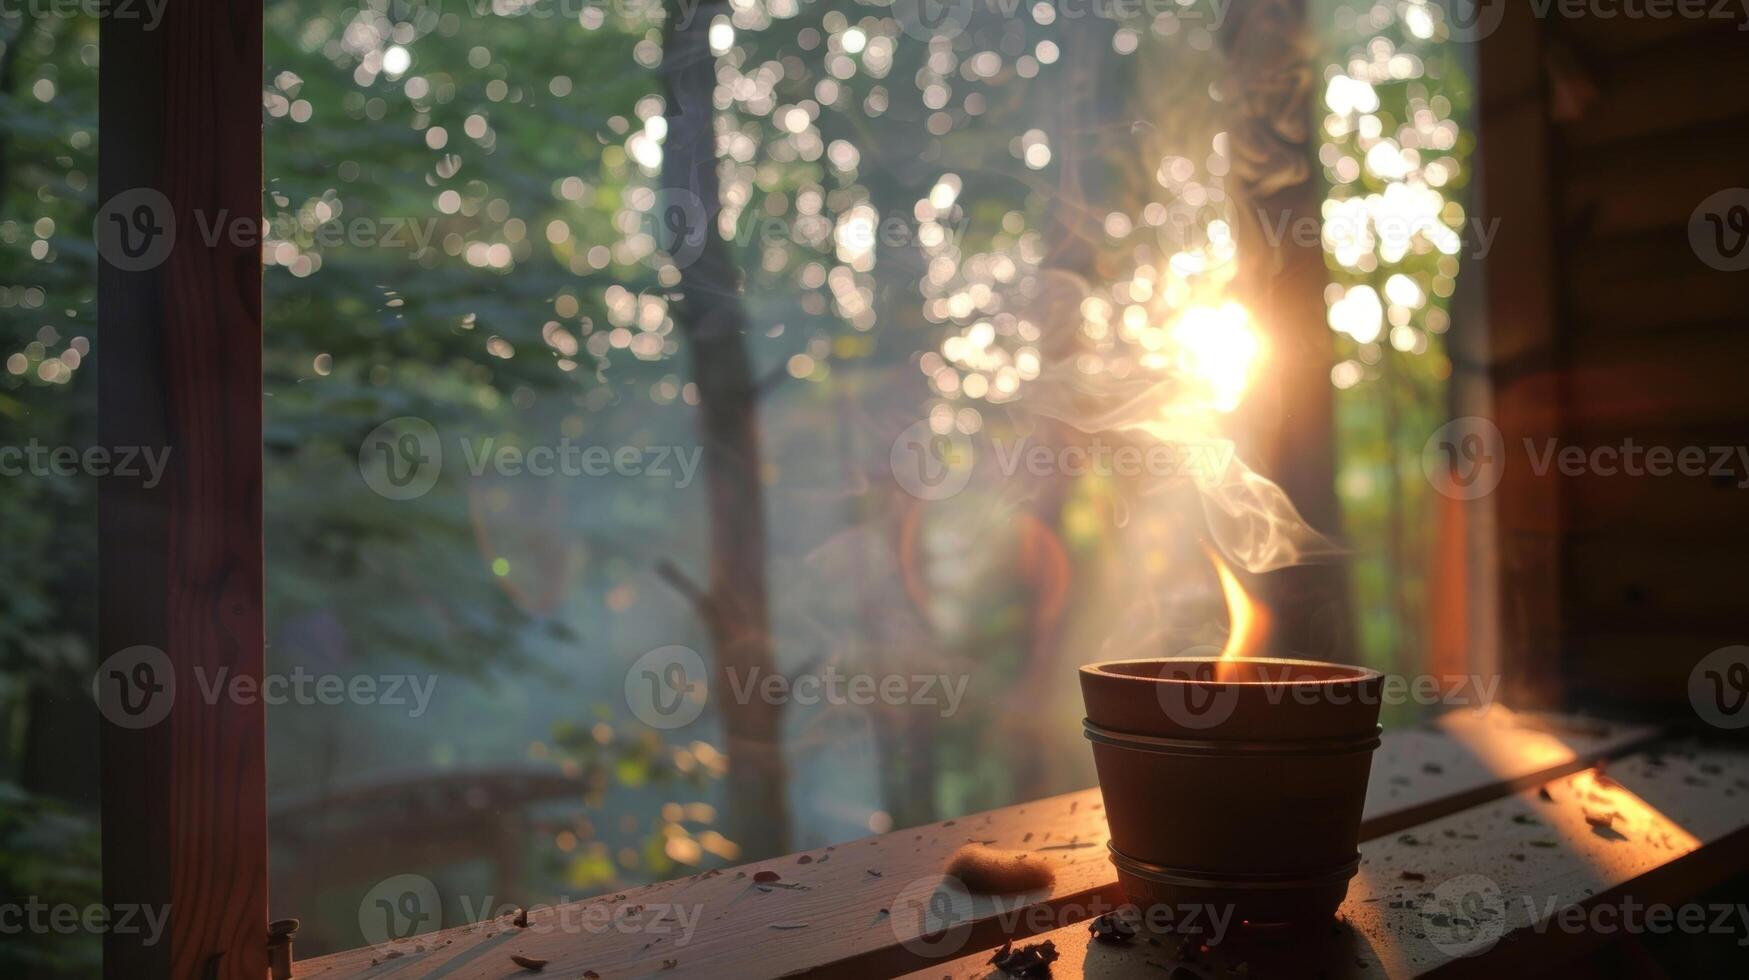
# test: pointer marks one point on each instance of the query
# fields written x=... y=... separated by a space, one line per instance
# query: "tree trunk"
x=1268 y=91
x=713 y=320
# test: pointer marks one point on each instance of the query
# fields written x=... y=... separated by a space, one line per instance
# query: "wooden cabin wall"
x=1599 y=138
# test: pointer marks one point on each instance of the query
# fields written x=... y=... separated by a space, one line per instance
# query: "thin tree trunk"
x=713 y=320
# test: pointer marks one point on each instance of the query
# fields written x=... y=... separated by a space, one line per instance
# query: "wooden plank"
x=1636 y=380
x=1618 y=35
x=1646 y=668
x=1477 y=893
x=1651 y=185
x=841 y=920
x=1680 y=505
x=1633 y=577
x=1645 y=284
x=180 y=568
x=1700 y=82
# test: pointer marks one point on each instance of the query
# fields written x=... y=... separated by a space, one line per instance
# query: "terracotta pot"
x=1243 y=794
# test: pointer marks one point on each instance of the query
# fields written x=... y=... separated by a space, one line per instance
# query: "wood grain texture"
x=184 y=800
x=861 y=909
x=1676 y=825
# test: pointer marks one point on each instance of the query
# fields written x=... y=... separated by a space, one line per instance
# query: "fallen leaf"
x=1112 y=928
x=1027 y=961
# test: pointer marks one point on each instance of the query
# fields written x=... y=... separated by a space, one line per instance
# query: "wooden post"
x=179 y=362
x=1518 y=329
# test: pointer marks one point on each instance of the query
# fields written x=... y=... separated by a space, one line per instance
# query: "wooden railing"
x=1464 y=796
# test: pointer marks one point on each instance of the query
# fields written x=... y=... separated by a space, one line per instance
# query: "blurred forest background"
x=928 y=229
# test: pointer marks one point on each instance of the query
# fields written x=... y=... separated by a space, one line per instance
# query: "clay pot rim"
x=1345 y=673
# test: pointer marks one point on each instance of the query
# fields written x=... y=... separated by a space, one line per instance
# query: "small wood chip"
x=521 y=920
x=528 y=962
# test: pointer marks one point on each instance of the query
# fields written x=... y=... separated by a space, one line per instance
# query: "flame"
x=1247 y=622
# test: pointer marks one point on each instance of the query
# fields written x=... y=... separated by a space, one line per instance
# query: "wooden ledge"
x=870 y=908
